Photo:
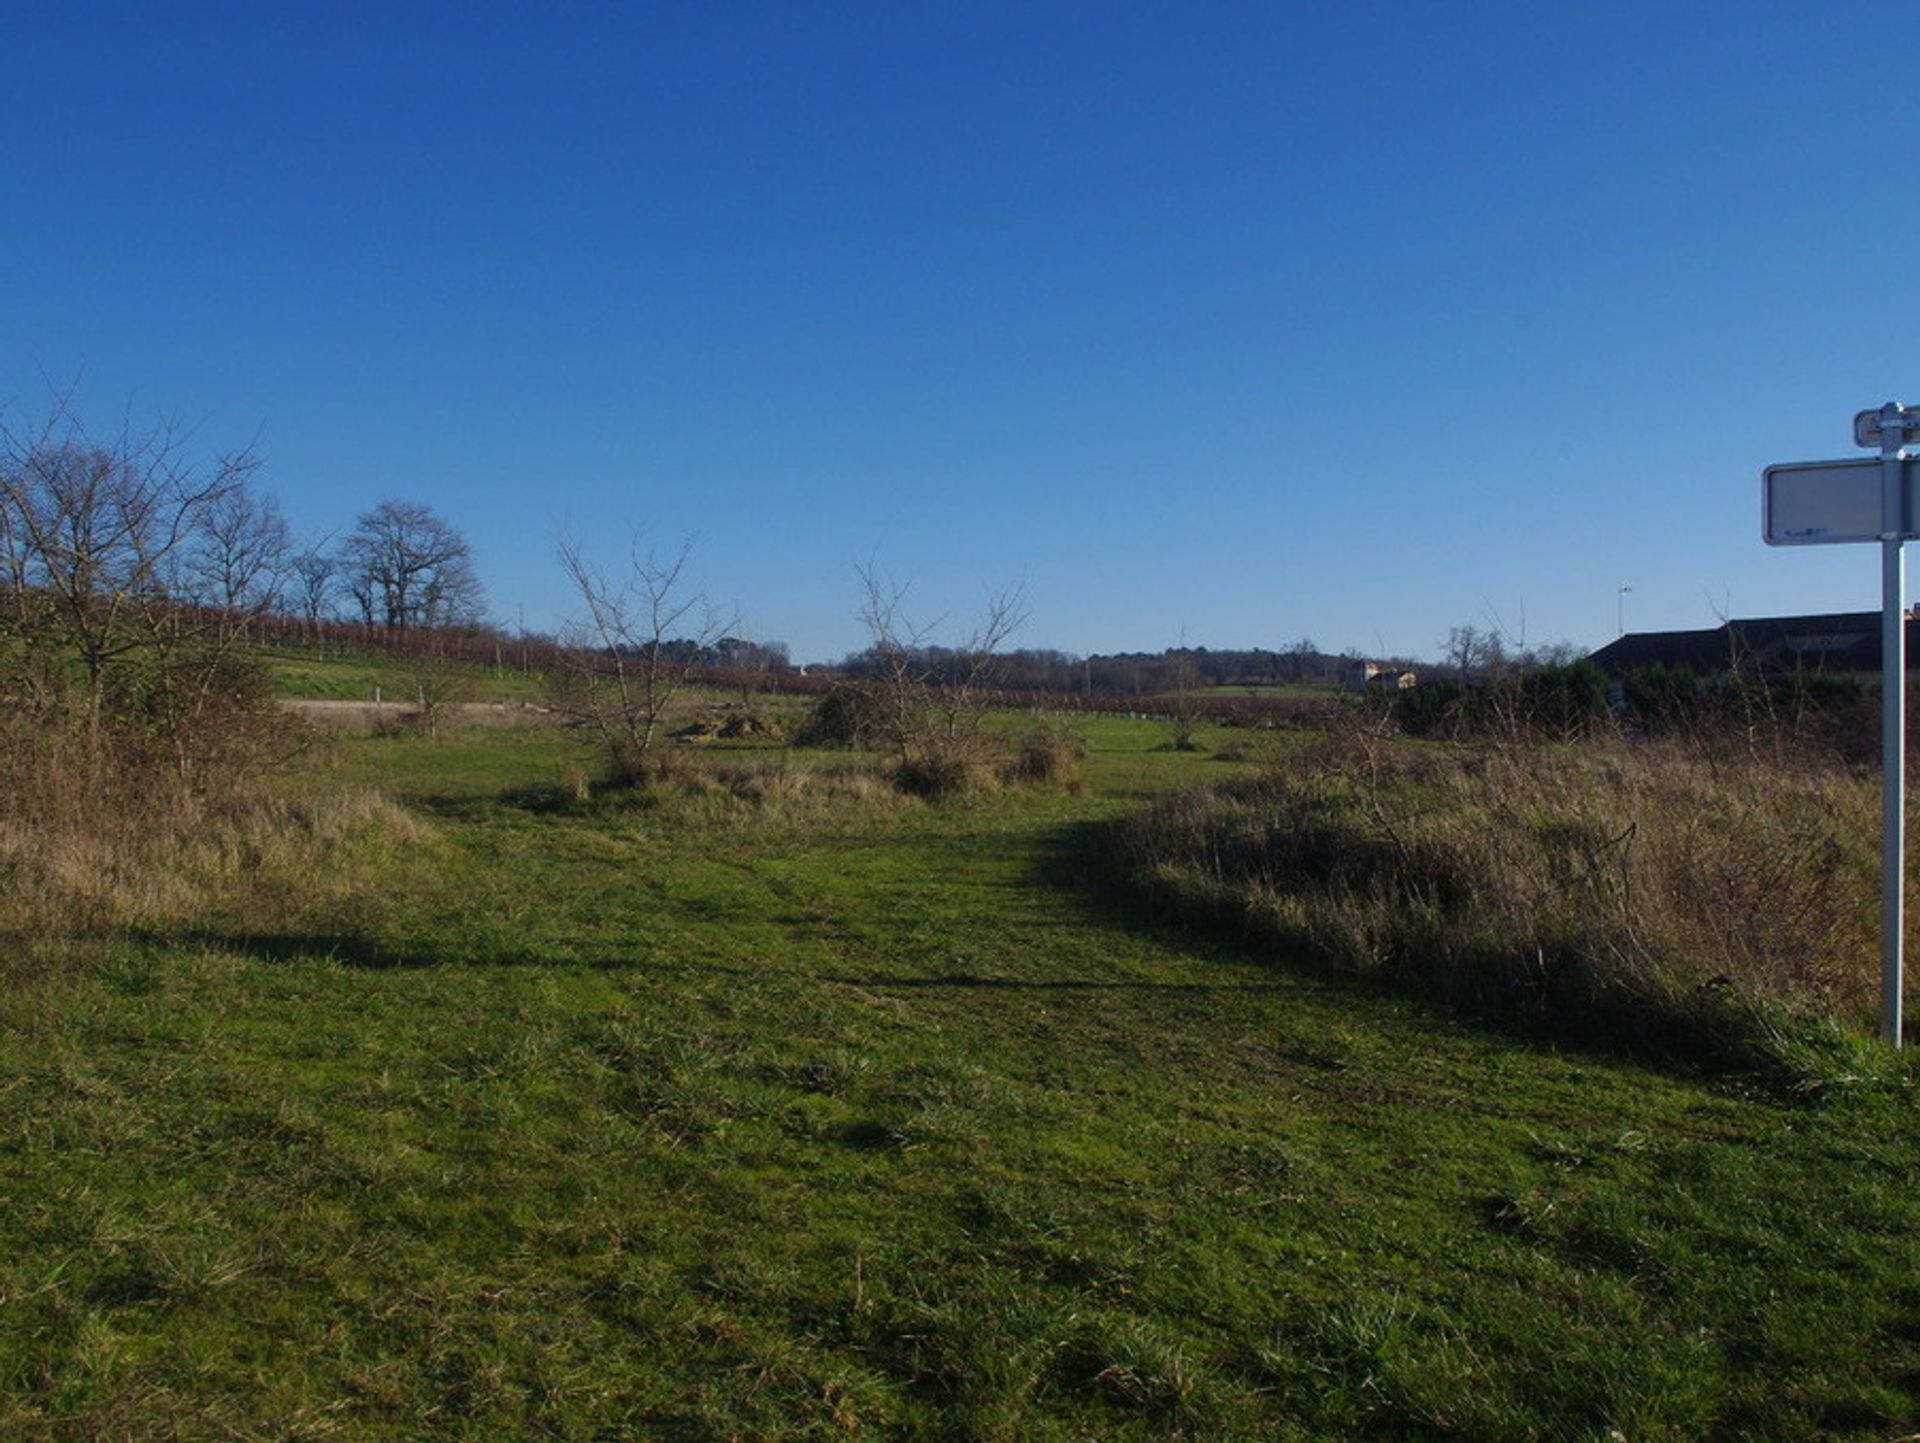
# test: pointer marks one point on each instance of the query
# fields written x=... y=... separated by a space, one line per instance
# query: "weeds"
x=940 y=761
x=1045 y=754
x=95 y=840
x=1653 y=893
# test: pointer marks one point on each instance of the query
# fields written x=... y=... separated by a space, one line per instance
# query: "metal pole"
x=1893 y=727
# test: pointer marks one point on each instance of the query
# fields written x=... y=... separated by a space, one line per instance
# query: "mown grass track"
x=711 y=1121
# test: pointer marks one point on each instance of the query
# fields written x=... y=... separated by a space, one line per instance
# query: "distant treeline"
x=1124 y=674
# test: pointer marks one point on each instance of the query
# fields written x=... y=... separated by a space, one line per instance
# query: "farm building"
x=1840 y=643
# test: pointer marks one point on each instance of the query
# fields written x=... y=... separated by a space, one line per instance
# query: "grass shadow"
x=343 y=949
x=364 y=953
x=1085 y=861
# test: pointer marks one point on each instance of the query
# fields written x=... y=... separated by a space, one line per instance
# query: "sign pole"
x=1815 y=503
x=1893 y=722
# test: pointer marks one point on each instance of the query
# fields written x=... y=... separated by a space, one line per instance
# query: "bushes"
x=1651 y=895
x=933 y=760
x=1038 y=756
x=1802 y=712
x=1564 y=701
x=1044 y=754
x=1806 y=711
x=97 y=838
x=852 y=714
x=936 y=775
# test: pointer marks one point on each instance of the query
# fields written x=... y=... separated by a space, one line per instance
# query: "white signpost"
x=1815 y=503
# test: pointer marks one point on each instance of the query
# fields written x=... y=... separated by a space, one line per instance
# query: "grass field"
x=368 y=676
x=849 y=1116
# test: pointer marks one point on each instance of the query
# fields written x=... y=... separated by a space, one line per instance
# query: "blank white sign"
x=1818 y=503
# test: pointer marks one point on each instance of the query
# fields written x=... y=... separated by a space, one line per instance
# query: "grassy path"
x=712 y=1123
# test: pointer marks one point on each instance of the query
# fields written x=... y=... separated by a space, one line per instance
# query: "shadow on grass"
x=1080 y=865
x=367 y=954
x=1708 y=1039
x=345 y=949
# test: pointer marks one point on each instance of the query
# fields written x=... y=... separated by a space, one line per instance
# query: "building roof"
x=1836 y=641
x=1695 y=650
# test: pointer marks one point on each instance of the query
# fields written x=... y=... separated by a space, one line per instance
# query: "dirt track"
x=373 y=714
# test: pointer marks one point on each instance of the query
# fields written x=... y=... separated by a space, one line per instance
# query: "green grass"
x=299 y=673
x=706 y=1121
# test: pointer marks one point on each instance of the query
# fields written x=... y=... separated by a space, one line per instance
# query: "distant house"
x=1382 y=675
x=1839 y=643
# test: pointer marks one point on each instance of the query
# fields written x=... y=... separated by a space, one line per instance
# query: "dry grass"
x=93 y=843
x=950 y=771
x=776 y=783
x=1044 y=754
x=693 y=784
x=1632 y=889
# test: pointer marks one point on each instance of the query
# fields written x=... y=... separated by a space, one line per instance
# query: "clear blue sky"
x=1237 y=322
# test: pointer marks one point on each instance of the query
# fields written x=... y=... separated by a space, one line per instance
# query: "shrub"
x=937 y=775
x=934 y=760
x=632 y=765
x=1650 y=895
x=1798 y=713
x=1563 y=700
x=1433 y=708
x=95 y=838
x=1044 y=754
x=1662 y=699
x=850 y=715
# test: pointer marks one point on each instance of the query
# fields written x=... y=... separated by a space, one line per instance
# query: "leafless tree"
x=91 y=534
x=241 y=555
x=98 y=645
x=405 y=567
x=1187 y=701
x=749 y=664
x=1300 y=657
x=314 y=576
x=1471 y=651
x=440 y=683
x=931 y=702
x=629 y=654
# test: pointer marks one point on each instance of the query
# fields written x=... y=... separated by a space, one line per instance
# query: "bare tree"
x=97 y=643
x=405 y=567
x=750 y=665
x=630 y=653
x=1187 y=701
x=1470 y=651
x=315 y=574
x=931 y=701
x=1300 y=657
x=91 y=536
x=440 y=684
x=242 y=552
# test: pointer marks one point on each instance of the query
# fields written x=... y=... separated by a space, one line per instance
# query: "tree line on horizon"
x=126 y=516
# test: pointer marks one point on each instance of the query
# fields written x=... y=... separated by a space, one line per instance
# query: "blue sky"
x=1234 y=323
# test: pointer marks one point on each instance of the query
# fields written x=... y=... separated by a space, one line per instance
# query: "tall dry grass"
x=99 y=839
x=1651 y=894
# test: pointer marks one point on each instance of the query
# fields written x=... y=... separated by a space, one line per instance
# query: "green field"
x=298 y=672
x=841 y=1115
